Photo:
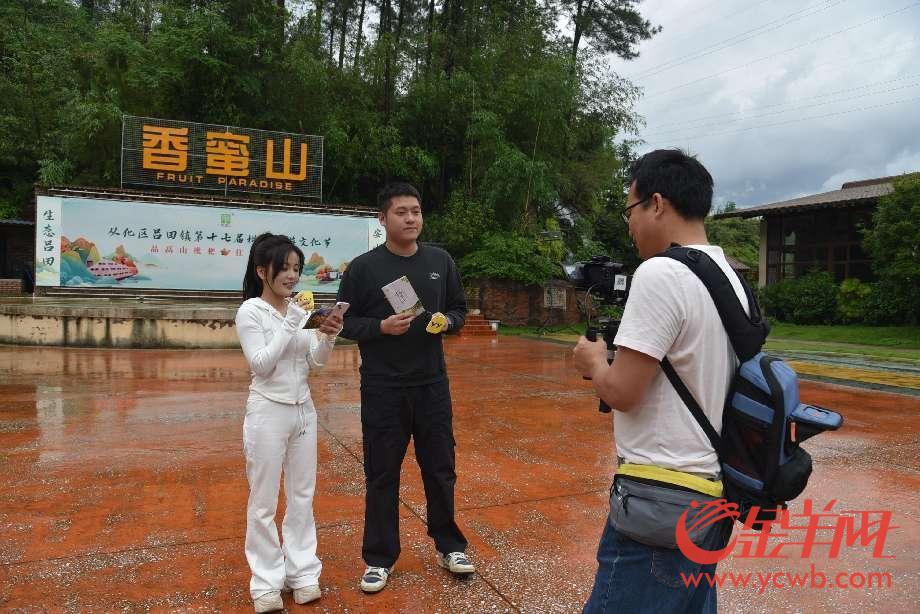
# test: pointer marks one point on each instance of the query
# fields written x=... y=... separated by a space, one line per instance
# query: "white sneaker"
x=269 y=602
x=375 y=578
x=456 y=562
x=308 y=593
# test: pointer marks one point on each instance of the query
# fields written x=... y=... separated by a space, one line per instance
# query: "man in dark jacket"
x=404 y=387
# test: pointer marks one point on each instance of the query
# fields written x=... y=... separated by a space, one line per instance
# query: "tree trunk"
x=452 y=20
x=387 y=77
x=384 y=26
x=319 y=6
x=533 y=159
x=344 y=33
x=580 y=11
x=281 y=5
x=148 y=19
x=399 y=24
x=332 y=22
x=430 y=27
x=360 y=34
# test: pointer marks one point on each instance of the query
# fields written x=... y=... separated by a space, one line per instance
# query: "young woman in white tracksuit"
x=279 y=431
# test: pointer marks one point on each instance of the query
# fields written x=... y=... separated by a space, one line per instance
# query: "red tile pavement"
x=122 y=474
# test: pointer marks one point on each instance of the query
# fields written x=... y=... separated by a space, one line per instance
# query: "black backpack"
x=763 y=465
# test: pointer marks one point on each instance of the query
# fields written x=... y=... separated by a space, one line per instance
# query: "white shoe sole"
x=464 y=570
x=375 y=588
x=368 y=588
x=309 y=598
x=262 y=608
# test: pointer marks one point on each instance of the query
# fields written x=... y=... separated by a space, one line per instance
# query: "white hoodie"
x=279 y=351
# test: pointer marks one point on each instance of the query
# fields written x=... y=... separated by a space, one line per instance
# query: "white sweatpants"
x=277 y=437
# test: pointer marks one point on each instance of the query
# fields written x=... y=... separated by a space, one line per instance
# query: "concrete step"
x=476 y=326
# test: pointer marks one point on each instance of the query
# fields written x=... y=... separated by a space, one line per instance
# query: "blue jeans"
x=634 y=578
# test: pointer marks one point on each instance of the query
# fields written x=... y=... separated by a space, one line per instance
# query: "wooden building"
x=821 y=231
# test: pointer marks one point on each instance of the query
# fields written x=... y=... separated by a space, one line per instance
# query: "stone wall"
x=118 y=327
x=517 y=304
x=172 y=326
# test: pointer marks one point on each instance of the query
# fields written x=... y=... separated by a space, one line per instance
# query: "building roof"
x=849 y=194
x=736 y=265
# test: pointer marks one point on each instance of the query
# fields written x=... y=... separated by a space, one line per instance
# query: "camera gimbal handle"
x=608 y=332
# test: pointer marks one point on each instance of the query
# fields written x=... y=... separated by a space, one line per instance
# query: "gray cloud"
x=798 y=122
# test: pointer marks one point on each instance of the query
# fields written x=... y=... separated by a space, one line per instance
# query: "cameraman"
x=668 y=313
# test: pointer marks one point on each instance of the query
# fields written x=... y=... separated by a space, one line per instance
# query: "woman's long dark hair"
x=270 y=251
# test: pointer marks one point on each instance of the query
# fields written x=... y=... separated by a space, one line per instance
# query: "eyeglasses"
x=626 y=213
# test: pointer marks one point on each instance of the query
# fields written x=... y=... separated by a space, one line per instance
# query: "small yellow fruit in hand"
x=437 y=324
x=304 y=298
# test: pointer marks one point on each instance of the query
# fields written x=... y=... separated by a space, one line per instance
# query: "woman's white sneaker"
x=269 y=602
x=308 y=593
x=456 y=562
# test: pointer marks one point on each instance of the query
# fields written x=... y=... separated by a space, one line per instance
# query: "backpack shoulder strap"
x=687 y=397
x=747 y=333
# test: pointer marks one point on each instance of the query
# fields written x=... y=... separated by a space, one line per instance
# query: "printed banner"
x=173 y=154
x=48 y=239
x=91 y=242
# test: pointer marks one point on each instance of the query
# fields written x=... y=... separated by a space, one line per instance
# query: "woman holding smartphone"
x=279 y=431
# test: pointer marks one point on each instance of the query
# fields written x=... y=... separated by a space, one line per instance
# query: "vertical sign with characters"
x=48 y=241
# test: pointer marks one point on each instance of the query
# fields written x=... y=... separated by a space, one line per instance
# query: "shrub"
x=815 y=300
x=853 y=301
x=811 y=299
x=888 y=303
x=776 y=300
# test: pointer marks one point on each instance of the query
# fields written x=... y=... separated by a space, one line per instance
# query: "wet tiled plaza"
x=124 y=489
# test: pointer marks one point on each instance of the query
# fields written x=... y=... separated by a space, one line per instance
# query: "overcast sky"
x=782 y=98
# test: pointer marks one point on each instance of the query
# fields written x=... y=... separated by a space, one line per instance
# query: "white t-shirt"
x=670 y=312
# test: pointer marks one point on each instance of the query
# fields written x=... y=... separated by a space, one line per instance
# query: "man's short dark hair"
x=677 y=176
x=392 y=190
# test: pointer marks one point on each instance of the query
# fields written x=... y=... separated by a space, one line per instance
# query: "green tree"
x=509 y=256
x=505 y=122
x=739 y=237
x=611 y=26
x=39 y=94
x=894 y=242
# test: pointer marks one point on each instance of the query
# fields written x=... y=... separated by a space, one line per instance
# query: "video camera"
x=602 y=278
x=607 y=281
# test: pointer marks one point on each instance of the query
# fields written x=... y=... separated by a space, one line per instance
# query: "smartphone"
x=340 y=308
x=317 y=318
